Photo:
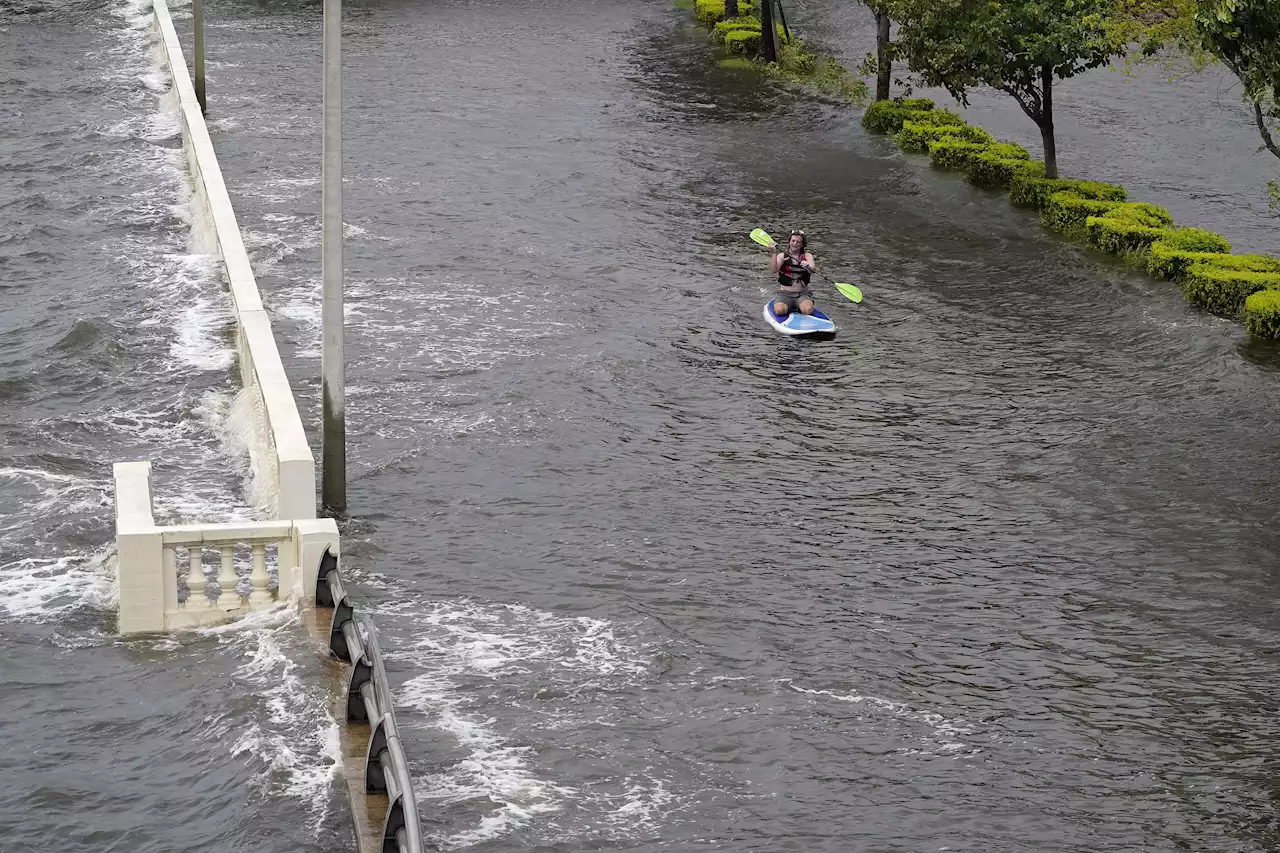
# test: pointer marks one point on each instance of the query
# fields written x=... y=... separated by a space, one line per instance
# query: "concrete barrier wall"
x=261 y=369
x=149 y=566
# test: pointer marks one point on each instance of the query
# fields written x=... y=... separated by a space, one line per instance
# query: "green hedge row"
x=797 y=64
x=1200 y=262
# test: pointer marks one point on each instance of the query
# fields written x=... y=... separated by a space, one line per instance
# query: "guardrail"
x=386 y=770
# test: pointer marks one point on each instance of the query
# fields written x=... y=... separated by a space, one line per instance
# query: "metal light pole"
x=197 y=13
x=333 y=489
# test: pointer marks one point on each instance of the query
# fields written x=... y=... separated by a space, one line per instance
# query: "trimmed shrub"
x=916 y=135
x=743 y=41
x=887 y=116
x=1172 y=263
x=1223 y=291
x=1164 y=261
x=709 y=12
x=1029 y=191
x=1195 y=240
x=1009 y=151
x=938 y=117
x=1262 y=313
x=954 y=153
x=1121 y=235
x=989 y=169
x=1066 y=212
x=725 y=27
x=1141 y=213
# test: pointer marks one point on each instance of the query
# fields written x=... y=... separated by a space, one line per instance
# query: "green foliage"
x=1015 y=46
x=723 y=28
x=960 y=44
x=711 y=12
x=796 y=63
x=1165 y=261
x=954 y=153
x=829 y=76
x=938 y=117
x=1245 y=36
x=989 y=169
x=1141 y=213
x=1196 y=240
x=888 y=116
x=1262 y=314
x=1122 y=235
x=1171 y=263
x=1066 y=212
x=1223 y=291
x=916 y=135
x=1033 y=192
x=743 y=41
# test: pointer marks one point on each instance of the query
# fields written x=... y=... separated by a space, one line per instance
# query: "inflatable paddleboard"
x=816 y=325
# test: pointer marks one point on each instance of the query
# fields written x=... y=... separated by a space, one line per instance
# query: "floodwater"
x=992 y=569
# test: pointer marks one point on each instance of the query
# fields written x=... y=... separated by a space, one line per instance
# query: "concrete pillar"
x=140 y=579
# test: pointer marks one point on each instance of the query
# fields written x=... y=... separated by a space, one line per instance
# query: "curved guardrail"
x=369 y=701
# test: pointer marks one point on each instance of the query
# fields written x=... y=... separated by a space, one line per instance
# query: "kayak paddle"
x=850 y=292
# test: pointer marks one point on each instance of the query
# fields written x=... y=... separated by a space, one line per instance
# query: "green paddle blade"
x=762 y=237
x=849 y=290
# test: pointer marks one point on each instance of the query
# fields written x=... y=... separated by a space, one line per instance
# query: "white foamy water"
x=291 y=736
x=942 y=734
x=525 y=651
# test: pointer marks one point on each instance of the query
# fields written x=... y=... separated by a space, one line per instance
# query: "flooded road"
x=994 y=566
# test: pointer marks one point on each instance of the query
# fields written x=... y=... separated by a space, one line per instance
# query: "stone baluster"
x=228 y=598
x=197 y=594
x=258 y=579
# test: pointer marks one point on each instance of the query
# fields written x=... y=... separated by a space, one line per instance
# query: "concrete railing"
x=290 y=465
x=167 y=581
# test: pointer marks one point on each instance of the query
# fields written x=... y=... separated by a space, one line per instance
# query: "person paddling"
x=793 y=268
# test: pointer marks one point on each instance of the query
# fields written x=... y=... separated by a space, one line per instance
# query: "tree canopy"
x=1016 y=46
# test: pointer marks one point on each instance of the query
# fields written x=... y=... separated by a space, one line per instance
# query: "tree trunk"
x=1046 y=122
x=884 y=65
x=768 y=32
x=730 y=9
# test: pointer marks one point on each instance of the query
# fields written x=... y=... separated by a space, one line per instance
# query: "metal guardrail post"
x=369 y=701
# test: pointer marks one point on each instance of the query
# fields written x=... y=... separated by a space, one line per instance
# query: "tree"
x=884 y=62
x=768 y=32
x=1244 y=35
x=1016 y=46
x=881 y=62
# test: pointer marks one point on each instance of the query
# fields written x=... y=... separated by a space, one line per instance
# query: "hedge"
x=723 y=28
x=710 y=12
x=1195 y=240
x=888 y=116
x=743 y=41
x=1121 y=235
x=1066 y=212
x=990 y=169
x=916 y=135
x=741 y=35
x=1262 y=313
x=953 y=153
x=1030 y=191
x=1223 y=291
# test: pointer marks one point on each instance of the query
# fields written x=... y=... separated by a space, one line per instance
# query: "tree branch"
x=1032 y=109
x=1264 y=130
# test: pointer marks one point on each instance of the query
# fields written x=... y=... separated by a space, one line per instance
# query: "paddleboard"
x=816 y=325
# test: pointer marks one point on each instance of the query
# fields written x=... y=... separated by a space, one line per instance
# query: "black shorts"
x=792 y=299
